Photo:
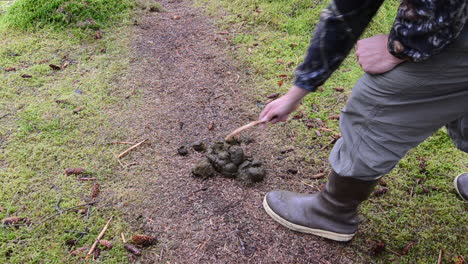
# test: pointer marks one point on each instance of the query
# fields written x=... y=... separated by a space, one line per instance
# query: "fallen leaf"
x=223 y=33
x=459 y=260
x=287 y=150
x=78 y=109
x=338 y=89
x=96 y=253
x=26 y=76
x=318 y=176
x=9 y=69
x=105 y=243
x=14 y=220
x=380 y=191
x=211 y=126
x=407 y=248
x=280 y=83
x=65 y=64
x=96 y=190
x=273 y=96
x=284 y=76
x=382 y=183
x=43 y=61
x=280 y=61
x=74 y=171
x=334 y=117
x=143 y=240
x=317 y=133
x=176 y=17
x=98 y=35
x=132 y=249
x=55 y=67
x=377 y=247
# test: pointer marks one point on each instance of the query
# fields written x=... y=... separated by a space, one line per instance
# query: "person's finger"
x=264 y=114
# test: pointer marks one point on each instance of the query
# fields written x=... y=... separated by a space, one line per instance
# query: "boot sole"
x=456 y=187
x=303 y=229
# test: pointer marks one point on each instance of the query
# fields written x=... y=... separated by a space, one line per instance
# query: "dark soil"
x=189 y=88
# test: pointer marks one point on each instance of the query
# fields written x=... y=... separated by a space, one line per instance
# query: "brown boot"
x=332 y=213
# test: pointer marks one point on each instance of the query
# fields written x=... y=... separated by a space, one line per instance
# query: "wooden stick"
x=87 y=179
x=123 y=238
x=242 y=128
x=98 y=238
x=123 y=154
x=439 y=261
x=122 y=142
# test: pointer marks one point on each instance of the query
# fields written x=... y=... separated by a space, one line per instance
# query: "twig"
x=87 y=179
x=98 y=238
x=394 y=252
x=123 y=154
x=241 y=243
x=122 y=142
x=439 y=260
x=303 y=182
x=242 y=128
x=64 y=210
x=123 y=238
x=57 y=205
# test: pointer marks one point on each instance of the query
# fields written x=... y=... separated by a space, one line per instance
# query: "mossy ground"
x=272 y=37
x=41 y=136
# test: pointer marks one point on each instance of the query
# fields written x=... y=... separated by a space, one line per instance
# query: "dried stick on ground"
x=242 y=128
x=123 y=154
x=439 y=261
x=98 y=238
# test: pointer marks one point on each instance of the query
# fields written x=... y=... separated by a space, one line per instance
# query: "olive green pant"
x=389 y=114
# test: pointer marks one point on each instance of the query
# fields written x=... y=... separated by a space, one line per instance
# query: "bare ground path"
x=188 y=81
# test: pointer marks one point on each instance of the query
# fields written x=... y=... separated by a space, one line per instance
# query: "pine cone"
x=107 y=244
x=143 y=240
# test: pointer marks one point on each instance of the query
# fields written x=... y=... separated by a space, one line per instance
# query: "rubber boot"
x=332 y=213
x=461 y=185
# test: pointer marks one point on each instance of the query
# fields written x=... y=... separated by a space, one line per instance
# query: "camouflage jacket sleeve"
x=423 y=28
x=340 y=26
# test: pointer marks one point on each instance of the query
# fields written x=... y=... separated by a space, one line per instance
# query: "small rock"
x=199 y=146
x=203 y=169
x=183 y=151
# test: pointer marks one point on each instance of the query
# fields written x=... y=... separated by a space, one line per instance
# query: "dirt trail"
x=188 y=81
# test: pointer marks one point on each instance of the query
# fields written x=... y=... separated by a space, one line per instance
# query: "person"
x=415 y=82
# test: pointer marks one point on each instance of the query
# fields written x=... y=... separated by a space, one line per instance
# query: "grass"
x=271 y=37
x=60 y=14
x=41 y=136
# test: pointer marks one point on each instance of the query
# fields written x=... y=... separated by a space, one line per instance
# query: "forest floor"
x=183 y=72
x=191 y=90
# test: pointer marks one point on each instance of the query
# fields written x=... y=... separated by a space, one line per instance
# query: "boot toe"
x=276 y=201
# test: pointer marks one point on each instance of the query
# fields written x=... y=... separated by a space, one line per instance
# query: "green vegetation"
x=272 y=37
x=51 y=120
x=59 y=14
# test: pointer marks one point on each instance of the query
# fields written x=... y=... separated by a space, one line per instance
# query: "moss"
x=59 y=14
x=40 y=136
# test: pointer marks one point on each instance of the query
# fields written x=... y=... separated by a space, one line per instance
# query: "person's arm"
x=341 y=24
x=424 y=28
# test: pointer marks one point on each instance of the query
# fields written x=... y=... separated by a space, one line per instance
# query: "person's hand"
x=279 y=109
x=373 y=55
